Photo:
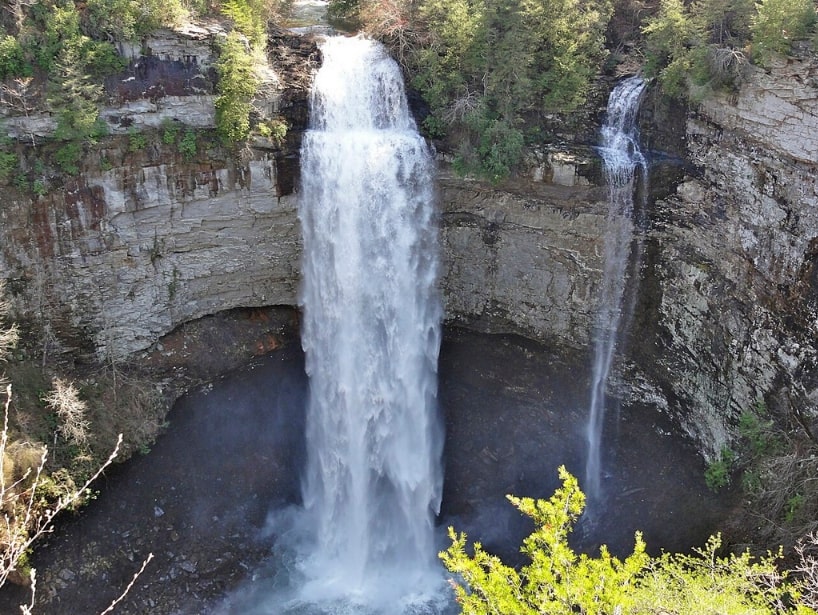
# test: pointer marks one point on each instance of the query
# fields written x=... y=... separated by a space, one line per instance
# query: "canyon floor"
x=199 y=500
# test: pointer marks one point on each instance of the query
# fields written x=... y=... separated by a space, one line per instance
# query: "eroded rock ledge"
x=143 y=241
x=728 y=295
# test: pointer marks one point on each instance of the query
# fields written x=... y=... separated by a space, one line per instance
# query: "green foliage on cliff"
x=187 y=145
x=9 y=162
x=129 y=20
x=12 y=58
x=56 y=63
x=777 y=458
x=65 y=45
x=695 y=48
x=778 y=23
x=720 y=470
x=238 y=82
x=237 y=86
x=249 y=18
x=558 y=581
x=491 y=70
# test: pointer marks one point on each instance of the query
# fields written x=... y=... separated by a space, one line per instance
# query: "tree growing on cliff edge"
x=558 y=581
x=696 y=48
x=777 y=23
x=237 y=86
x=491 y=70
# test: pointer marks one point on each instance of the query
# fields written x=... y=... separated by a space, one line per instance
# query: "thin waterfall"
x=621 y=158
x=371 y=333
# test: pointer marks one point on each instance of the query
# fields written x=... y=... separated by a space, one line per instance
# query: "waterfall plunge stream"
x=371 y=335
x=621 y=158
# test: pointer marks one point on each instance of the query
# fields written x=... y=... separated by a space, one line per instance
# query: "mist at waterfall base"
x=235 y=451
x=621 y=158
x=363 y=542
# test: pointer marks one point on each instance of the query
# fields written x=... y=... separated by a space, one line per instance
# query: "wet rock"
x=735 y=320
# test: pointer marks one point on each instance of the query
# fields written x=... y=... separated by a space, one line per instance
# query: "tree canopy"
x=559 y=581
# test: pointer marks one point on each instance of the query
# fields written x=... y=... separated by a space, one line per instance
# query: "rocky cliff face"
x=725 y=314
x=525 y=259
x=725 y=310
x=734 y=255
x=146 y=239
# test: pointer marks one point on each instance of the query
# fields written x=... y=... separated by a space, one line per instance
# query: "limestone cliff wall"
x=524 y=258
x=115 y=260
x=141 y=241
x=726 y=311
x=734 y=255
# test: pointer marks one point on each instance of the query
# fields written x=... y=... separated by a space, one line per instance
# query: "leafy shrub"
x=129 y=19
x=137 y=141
x=717 y=474
x=558 y=581
x=12 y=59
x=706 y=583
x=343 y=9
x=671 y=35
x=39 y=187
x=249 y=17
x=56 y=26
x=275 y=129
x=8 y=165
x=794 y=506
x=187 y=146
x=99 y=58
x=501 y=146
x=170 y=130
x=237 y=86
x=759 y=431
x=778 y=23
x=67 y=157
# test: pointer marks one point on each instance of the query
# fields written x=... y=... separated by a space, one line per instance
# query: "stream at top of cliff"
x=234 y=451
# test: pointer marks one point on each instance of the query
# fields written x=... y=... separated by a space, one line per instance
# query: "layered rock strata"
x=726 y=309
x=144 y=240
x=734 y=257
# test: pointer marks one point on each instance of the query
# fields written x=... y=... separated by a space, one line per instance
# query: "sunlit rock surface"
x=141 y=242
x=735 y=254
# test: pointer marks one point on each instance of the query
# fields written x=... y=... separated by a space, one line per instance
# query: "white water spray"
x=621 y=158
x=371 y=334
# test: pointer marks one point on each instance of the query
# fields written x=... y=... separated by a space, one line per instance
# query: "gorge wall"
x=143 y=241
x=725 y=315
x=735 y=255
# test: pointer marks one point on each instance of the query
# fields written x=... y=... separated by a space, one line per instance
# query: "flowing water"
x=361 y=542
x=621 y=159
x=371 y=335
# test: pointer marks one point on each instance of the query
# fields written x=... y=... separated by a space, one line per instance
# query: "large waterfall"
x=371 y=334
x=621 y=158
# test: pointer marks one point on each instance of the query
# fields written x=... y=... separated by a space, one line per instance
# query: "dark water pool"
x=514 y=412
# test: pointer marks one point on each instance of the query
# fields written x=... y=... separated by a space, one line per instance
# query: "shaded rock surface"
x=726 y=301
x=142 y=241
x=234 y=451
